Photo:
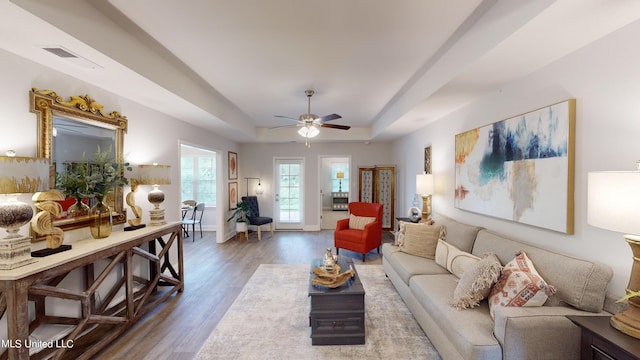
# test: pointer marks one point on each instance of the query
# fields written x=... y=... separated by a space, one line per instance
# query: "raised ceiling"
x=386 y=66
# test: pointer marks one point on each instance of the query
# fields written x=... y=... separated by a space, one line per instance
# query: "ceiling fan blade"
x=286 y=117
x=284 y=126
x=335 y=126
x=329 y=118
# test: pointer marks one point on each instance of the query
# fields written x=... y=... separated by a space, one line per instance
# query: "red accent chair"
x=361 y=241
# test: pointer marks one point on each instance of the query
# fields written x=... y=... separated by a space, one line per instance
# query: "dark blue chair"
x=254 y=215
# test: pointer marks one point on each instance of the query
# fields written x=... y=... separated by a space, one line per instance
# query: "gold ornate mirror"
x=71 y=131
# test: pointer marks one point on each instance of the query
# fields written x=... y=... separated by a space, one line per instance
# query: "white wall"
x=256 y=160
x=152 y=136
x=605 y=81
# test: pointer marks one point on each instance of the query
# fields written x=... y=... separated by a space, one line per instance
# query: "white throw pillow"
x=454 y=259
x=359 y=222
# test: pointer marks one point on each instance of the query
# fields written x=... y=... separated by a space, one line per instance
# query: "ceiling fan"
x=309 y=122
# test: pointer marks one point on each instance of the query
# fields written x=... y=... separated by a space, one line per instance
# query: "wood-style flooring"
x=214 y=276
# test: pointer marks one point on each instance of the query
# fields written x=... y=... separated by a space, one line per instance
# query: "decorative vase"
x=78 y=209
x=101 y=222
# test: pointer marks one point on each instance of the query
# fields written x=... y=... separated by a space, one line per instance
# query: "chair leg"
x=200 y=224
x=363 y=257
x=271 y=228
x=259 y=233
x=193 y=232
x=337 y=251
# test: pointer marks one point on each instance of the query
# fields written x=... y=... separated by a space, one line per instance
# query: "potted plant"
x=72 y=184
x=104 y=175
x=240 y=214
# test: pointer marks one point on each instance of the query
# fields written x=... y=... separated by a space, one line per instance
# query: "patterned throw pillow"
x=454 y=259
x=402 y=230
x=476 y=282
x=421 y=240
x=519 y=285
x=359 y=222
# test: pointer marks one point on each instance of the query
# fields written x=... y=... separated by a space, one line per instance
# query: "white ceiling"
x=387 y=67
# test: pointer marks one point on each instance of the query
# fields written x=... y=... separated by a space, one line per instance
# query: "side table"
x=599 y=340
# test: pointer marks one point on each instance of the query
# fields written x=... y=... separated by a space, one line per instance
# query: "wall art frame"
x=521 y=168
x=233 y=165
x=427 y=160
x=233 y=195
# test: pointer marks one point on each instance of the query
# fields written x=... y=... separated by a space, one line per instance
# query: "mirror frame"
x=45 y=104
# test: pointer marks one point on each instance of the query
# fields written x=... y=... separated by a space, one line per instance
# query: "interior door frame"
x=320 y=194
x=276 y=198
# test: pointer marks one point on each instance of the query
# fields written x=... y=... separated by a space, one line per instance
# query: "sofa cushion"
x=470 y=331
x=475 y=284
x=458 y=234
x=421 y=240
x=407 y=265
x=402 y=229
x=454 y=259
x=519 y=285
x=580 y=283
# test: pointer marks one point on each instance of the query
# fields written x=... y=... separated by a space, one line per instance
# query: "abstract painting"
x=521 y=168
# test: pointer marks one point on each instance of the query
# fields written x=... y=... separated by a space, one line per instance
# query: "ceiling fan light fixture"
x=308 y=131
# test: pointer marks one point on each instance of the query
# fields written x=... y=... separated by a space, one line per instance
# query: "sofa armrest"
x=538 y=332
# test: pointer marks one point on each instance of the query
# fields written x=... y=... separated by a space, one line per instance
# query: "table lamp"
x=18 y=175
x=613 y=203
x=424 y=187
x=155 y=175
x=340 y=176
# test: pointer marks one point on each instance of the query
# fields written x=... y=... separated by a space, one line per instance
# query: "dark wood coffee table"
x=337 y=315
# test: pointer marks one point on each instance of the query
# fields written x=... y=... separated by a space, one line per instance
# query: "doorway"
x=334 y=179
x=289 y=194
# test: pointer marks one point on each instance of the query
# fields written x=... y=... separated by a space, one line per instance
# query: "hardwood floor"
x=214 y=276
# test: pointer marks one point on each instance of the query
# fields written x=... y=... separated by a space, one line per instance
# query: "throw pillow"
x=475 y=284
x=402 y=230
x=359 y=222
x=454 y=259
x=519 y=284
x=421 y=240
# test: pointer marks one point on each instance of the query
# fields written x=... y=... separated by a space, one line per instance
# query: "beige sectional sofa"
x=517 y=332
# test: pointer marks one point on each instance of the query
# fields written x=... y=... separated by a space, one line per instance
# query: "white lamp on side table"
x=613 y=203
x=424 y=187
x=18 y=175
x=155 y=175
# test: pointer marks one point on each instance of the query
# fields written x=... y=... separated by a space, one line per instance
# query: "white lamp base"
x=156 y=217
x=15 y=252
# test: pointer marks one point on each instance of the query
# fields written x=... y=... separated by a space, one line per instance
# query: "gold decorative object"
x=131 y=201
x=42 y=223
x=424 y=187
x=331 y=279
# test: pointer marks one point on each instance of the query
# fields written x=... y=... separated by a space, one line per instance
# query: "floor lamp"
x=259 y=190
x=340 y=176
x=613 y=203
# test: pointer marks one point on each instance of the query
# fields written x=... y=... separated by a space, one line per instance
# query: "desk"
x=116 y=293
x=599 y=340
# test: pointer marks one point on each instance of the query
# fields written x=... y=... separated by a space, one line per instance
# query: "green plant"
x=105 y=174
x=240 y=213
x=72 y=182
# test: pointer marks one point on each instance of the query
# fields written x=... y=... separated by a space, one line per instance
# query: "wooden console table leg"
x=17 y=318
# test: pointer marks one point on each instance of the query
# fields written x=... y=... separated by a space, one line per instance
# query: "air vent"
x=67 y=55
x=59 y=52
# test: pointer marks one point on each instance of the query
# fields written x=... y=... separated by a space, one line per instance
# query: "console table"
x=123 y=277
x=599 y=340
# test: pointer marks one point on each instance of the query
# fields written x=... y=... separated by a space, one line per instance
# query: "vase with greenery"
x=104 y=175
x=240 y=215
x=72 y=184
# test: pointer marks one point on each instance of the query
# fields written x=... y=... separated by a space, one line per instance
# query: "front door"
x=289 y=199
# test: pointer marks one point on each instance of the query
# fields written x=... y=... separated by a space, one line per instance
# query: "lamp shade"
x=424 y=184
x=20 y=175
x=154 y=174
x=340 y=175
x=613 y=200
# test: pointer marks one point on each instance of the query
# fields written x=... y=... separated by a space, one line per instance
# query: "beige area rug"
x=270 y=320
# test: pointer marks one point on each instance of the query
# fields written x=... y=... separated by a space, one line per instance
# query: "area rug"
x=270 y=320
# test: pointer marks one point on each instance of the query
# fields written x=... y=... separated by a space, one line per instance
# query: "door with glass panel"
x=289 y=199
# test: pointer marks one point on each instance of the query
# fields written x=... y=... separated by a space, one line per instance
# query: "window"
x=198 y=175
x=339 y=184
